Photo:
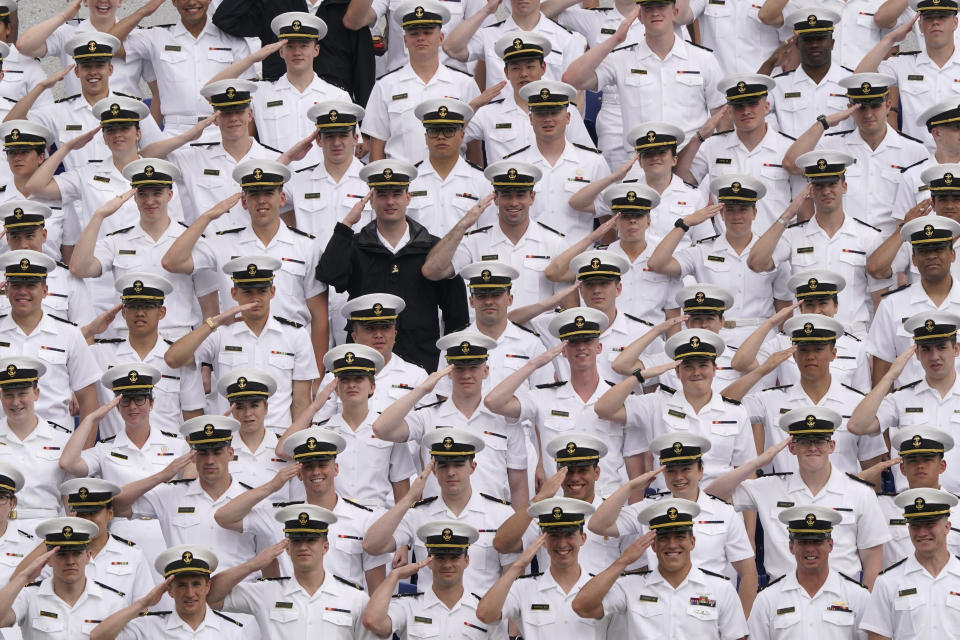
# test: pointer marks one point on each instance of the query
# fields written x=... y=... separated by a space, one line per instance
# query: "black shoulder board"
x=391 y=71
x=586 y=148
x=786 y=135
x=527 y=329
x=347 y=582
x=559 y=25
x=708 y=239
x=773 y=582
x=536 y=574
x=700 y=46
x=289 y=323
x=731 y=400
x=900 y=288
x=36 y=583
x=154 y=613
x=842 y=132
x=356 y=504
x=715 y=575
x=904 y=169
x=62 y=265
x=850 y=335
x=109 y=588
x=877 y=229
x=313 y=166
x=420 y=503
x=168 y=341
x=799 y=223
x=895 y=564
x=513 y=153
x=203 y=144
x=227 y=618
x=779 y=387
x=432 y=404
x=848 y=69
x=778 y=474
x=479 y=230
x=57 y=426
x=785 y=73
x=718 y=498
x=497 y=101
x=494 y=498
x=67 y=98
x=861 y=480
x=301 y=232
x=320 y=423
x=108 y=340
x=186 y=226
x=551 y=385
x=25 y=534
x=287 y=504
x=476 y=166
x=170 y=434
x=856 y=582
x=640 y=320
x=182 y=481
x=635 y=572
x=129 y=543
x=245 y=486
x=266 y=146
x=478 y=597
x=908 y=385
x=628 y=46
x=906 y=53
x=723 y=133
x=417 y=164
x=466 y=73
x=852 y=389
x=497 y=24
x=127 y=95
x=109 y=438
x=549 y=228
x=119 y=231
x=903 y=135
x=64 y=320
x=261 y=579
x=667 y=389
x=226 y=231
x=407 y=595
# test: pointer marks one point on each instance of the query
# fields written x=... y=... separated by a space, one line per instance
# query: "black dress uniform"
x=346 y=57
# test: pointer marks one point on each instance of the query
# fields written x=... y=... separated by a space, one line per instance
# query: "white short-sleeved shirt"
x=390 y=116
x=369 y=464
x=645 y=294
x=732 y=29
x=126 y=72
x=67 y=295
x=259 y=466
x=677 y=201
x=576 y=168
x=797 y=99
x=912 y=190
x=900 y=546
x=66 y=354
x=423 y=615
x=283 y=351
x=680 y=89
x=544 y=610
x=42 y=615
x=908 y=603
x=855 y=34
x=116 y=459
x=22 y=73
x=725 y=423
x=397 y=55
x=784 y=610
x=702 y=606
x=766 y=408
x=395 y=380
x=17 y=545
x=215 y=626
x=319 y=202
x=862 y=526
x=851 y=366
x=38 y=457
x=921 y=82
x=439 y=203
x=284 y=609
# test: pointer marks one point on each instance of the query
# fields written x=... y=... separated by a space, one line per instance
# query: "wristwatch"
x=822 y=119
x=680 y=224
x=638 y=374
x=210 y=323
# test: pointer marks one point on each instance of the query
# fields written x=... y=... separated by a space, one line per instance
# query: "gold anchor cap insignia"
x=257 y=173
x=557 y=513
x=808 y=328
x=741 y=87
x=91 y=46
x=448 y=443
x=695 y=342
x=18 y=213
x=812 y=20
x=485 y=275
x=447 y=534
x=231 y=93
x=821 y=164
x=464 y=347
x=15 y=134
x=442 y=112
x=929 y=325
x=700 y=297
x=928 y=230
x=11 y=370
x=595 y=264
x=813 y=283
x=517 y=43
x=811 y=420
x=187 y=557
x=333 y=115
x=651 y=136
x=811 y=519
x=148 y=171
x=296 y=25
x=571 y=448
x=241 y=383
x=133 y=376
x=579 y=322
x=349 y=357
x=377 y=309
x=672 y=513
x=865 y=88
x=311 y=443
x=83 y=493
x=24 y=264
x=511 y=174
x=114 y=109
x=544 y=93
x=388 y=173
x=631 y=196
x=251 y=269
x=67 y=532
x=678 y=447
x=919 y=504
x=303 y=518
x=418 y=12
x=208 y=429
x=917 y=441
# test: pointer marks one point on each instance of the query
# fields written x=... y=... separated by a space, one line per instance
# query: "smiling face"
x=513 y=206
x=192 y=12
x=234 y=124
x=738 y=218
x=468 y=380
x=673 y=550
x=929 y=537
x=748 y=115
x=811 y=554
x=18 y=404
x=658 y=17
x=448 y=569
x=152 y=202
x=189 y=592
x=135 y=415
x=813 y=454
x=683 y=480
x=121 y=139
x=815 y=50
x=390 y=205
x=94 y=76
x=25 y=297
x=105 y=10
x=317 y=476
x=580 y=482
x=563 y=547
x=658 y=163
x=522 y=72
x=696 y=374
x=581 y=354
x=263 y=205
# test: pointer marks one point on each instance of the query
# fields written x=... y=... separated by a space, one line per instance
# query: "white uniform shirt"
x=169 y=626
x=284 y=609
x=807 y=246
x=484 y=514
x=724 y=422
x=912 y=190
x=856 y=32
x=120 y=565
x=422 y=615
x=504 y=127
x=907 y=603
x=719 y=530
x=258 y=467
x=504 y=445
x=42 y=615
x=439 y=203
x=703 y=606
x=118 y=460
x=67 y=296
x=922 y=83
x=785 y=611
x=127 y=72
x=873 y=180
x=888 y=338
x=732 y=29
x=182 y=64
x=65 y=352
x=530 y=255
x=38 y=456
x=767 y=406
x=320 y=203
x=394 y=96
x=615 y=338
x=369 y=464
x=797 y=99
x=851 y=366
x=545 y=610
x=397 y=55
x=178 y=390
x=862 y=526
x=22 y=73
x=185 y=512
x=17 y=545
x=283 y=351
x=576 y=167
x=900 y=546
x=395 y=380
x=681 y=89
x=566 y=47
x=645 y=294
x=677 y=201
x=724 y=153
x=134 y=250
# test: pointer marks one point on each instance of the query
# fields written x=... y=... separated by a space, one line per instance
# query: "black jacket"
x=346 y=57
x=360 y=264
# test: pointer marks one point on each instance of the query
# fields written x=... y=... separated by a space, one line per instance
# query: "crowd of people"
x=460 y=319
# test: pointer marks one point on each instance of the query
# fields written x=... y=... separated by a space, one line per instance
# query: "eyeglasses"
x=126 y=401
x=446 y=132
x=812 y=442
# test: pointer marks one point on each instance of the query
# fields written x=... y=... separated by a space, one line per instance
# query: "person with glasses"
x=862 y=531
x=446 y=186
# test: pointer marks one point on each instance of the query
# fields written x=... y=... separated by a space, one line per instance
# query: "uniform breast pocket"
x=791 y=102
x=274 y=113
x=693 y=80
x=773 y=174
x=856 y=258
x=169 y=384
x=177 y=60
x=675 y=420
x=638 y=78
x=717 y=528
x=210 y=180
x=423 y=629
x=918 y=87
x=646 y=609
x=804 y=256
x=58 y=302
x=52 y=355
x=45 y=624
x=348 y=546
x=953 y=608
x=220 y=55
x=716 y=264
x=558 y=423
x=230 y=358
x=185 y=521
x=283 y=614
x=338 y=618
x=847 y=516
x=119 y=568
x=483 y=553
x=496 y=442
x=908 y=614
x=840 y=618
x=717 y=9
x=399 y=110
x=294 y=266
x=572 y=186
x=703 y=613
x=126 y=259
x=281 y=359
x=11 y=559
x=503 y=132
x=536 y=263
x=786 y=620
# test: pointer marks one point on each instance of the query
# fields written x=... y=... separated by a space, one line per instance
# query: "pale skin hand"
x=111 y=206
x=407 y=570
x=232 y=314
x=353 y=217
x=770 y=453
x=900 y=363
x=154 y=596
x=196 y=130
x=528 y=554
x=779 y=357
x=222 y=207
x=487 y=95
x=417 y=486
x=101 y=323
x=920 y=209
x=624 y=168
x=434 y=378
x=636 y=550
x=797 y=203
x=702 y=215
x=836 y=118
x=471 y=217
x=299 y=150
x=283 y=476
x=546 y=357
x=32 y=572
x=81 y=140
x=104 y=409
x=551 y=486
x=710 y=126
x=643 y=480
x=873 y=474
x=49 y=81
